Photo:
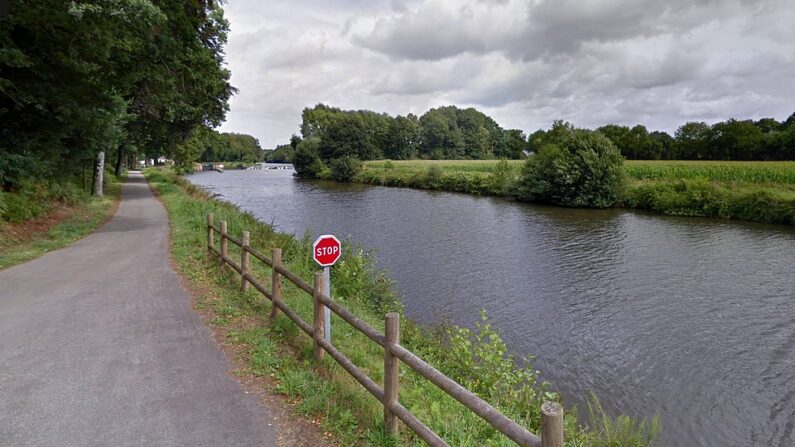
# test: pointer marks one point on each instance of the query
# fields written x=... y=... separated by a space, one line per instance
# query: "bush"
x=502 y=179
x=343 y=169
x=306 y=161
x=432 y=176
x=584 y=170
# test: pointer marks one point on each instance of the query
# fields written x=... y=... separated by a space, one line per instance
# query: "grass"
x=323 y=391
x=36 y=236
x=754 y=191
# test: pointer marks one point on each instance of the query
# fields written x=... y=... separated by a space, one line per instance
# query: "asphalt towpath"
x=99 y=346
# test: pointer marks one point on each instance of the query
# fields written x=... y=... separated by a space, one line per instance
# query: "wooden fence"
x=394 y=353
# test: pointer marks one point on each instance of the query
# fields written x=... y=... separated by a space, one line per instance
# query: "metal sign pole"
x=326 y=310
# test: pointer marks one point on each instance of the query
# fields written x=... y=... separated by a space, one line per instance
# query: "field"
x=780 y=172
x=748 y=190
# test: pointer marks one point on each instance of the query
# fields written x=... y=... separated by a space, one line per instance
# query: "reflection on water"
x=691 y=318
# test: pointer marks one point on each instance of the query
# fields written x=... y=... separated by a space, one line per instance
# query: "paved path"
x=99 y=346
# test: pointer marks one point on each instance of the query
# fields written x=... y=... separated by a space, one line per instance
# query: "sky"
x=525 y=63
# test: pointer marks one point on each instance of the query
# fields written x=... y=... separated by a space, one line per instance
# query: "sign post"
x=326 y=250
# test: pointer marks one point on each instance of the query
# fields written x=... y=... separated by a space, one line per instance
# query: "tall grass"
x=476 y=357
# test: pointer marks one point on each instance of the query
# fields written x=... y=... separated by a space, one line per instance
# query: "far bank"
x=752 y=191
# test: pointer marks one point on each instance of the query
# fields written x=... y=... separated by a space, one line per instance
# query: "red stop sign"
x=326 y=250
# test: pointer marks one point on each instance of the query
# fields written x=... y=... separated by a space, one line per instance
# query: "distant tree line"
x=329 y=133
x=764 y=139
x=127 y=78
x=215 y=146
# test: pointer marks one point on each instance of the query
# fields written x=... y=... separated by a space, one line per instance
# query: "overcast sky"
x=525 y=63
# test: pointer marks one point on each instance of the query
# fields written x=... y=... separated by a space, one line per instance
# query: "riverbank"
x=54 y=222
x=754 y=191
x=324 y=392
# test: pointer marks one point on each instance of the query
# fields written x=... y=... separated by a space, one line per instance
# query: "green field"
x=781 y=172
x=749 y=190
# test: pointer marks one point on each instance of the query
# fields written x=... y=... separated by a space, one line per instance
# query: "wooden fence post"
x=224 y=243
x=317 y=316
x=391 y=371
x=276 y=281
x=244 y=261
x=210 y=238
x=551 y=424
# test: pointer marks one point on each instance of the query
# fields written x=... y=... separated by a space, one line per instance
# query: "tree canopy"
x=120 y=76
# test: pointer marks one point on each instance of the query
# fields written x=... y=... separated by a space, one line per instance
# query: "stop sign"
x=326 y=250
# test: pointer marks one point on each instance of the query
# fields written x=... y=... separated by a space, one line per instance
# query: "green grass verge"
x=476 y=358
x=84 y=216
x=754 y=191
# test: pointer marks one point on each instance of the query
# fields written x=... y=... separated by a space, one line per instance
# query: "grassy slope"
x=80 y=220
x=758 y=191
x=325 y=391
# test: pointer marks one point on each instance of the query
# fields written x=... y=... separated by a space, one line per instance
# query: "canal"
x=693 y=319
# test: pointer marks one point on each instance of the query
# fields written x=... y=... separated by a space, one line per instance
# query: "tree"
x=110 y=76
x=307 y=160
x=402 y=141
x=691 y=141
x=583 y=169
x=666 y=142
x=515 y=144
x=735 y=140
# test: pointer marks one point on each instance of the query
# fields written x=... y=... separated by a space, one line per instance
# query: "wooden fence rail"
x=394 y=353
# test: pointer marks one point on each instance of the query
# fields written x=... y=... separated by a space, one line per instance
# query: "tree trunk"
x=99 y=171
x=119 y=160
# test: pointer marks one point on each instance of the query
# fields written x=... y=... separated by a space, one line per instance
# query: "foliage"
x=584 y=170
x=700 y=197
x=621 y=431
x=307 y=160
x=442 y=133
x=503 y=178
x=343 y=169
x=282 y=154
x=229 y=147
x=131 y=77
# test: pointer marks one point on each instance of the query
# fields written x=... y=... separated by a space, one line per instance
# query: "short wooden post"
x=244 y=261
x=210 y=237
x=276 y=281
x=551 y=424
x=224 y=243
x=391 y=371
x=317 y=316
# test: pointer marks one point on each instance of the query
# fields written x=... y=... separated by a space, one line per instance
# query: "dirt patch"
x=26 y=231
x=19 y=233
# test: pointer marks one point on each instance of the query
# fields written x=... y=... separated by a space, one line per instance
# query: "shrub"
x=584 y=170
x=306 y=161
x=343 y=169
x=502 y=179
x=432 y=176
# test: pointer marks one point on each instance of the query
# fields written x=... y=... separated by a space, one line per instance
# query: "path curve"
x=99 y=346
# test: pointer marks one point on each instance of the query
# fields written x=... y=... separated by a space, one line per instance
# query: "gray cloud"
x=524 y=62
